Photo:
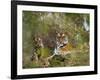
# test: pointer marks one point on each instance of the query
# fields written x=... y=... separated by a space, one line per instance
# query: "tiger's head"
x=62 y=39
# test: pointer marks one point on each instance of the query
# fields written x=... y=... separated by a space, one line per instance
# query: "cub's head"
x=38 y=41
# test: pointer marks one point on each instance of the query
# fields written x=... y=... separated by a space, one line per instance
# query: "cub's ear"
x=35 y=39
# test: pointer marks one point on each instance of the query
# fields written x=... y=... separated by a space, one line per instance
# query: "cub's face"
x=38 y=41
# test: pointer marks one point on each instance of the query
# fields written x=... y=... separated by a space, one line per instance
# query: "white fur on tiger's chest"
x=61 y=50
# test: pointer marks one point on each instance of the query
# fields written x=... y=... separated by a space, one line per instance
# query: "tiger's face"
x=61 y=44
x=62 y=39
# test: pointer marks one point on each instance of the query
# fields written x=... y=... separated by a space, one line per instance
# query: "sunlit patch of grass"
x=43 y=52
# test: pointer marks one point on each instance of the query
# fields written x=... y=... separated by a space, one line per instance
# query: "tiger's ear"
x=63 y=35
x=58 y=34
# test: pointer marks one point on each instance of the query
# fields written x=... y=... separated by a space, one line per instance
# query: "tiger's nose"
x=61 y=41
